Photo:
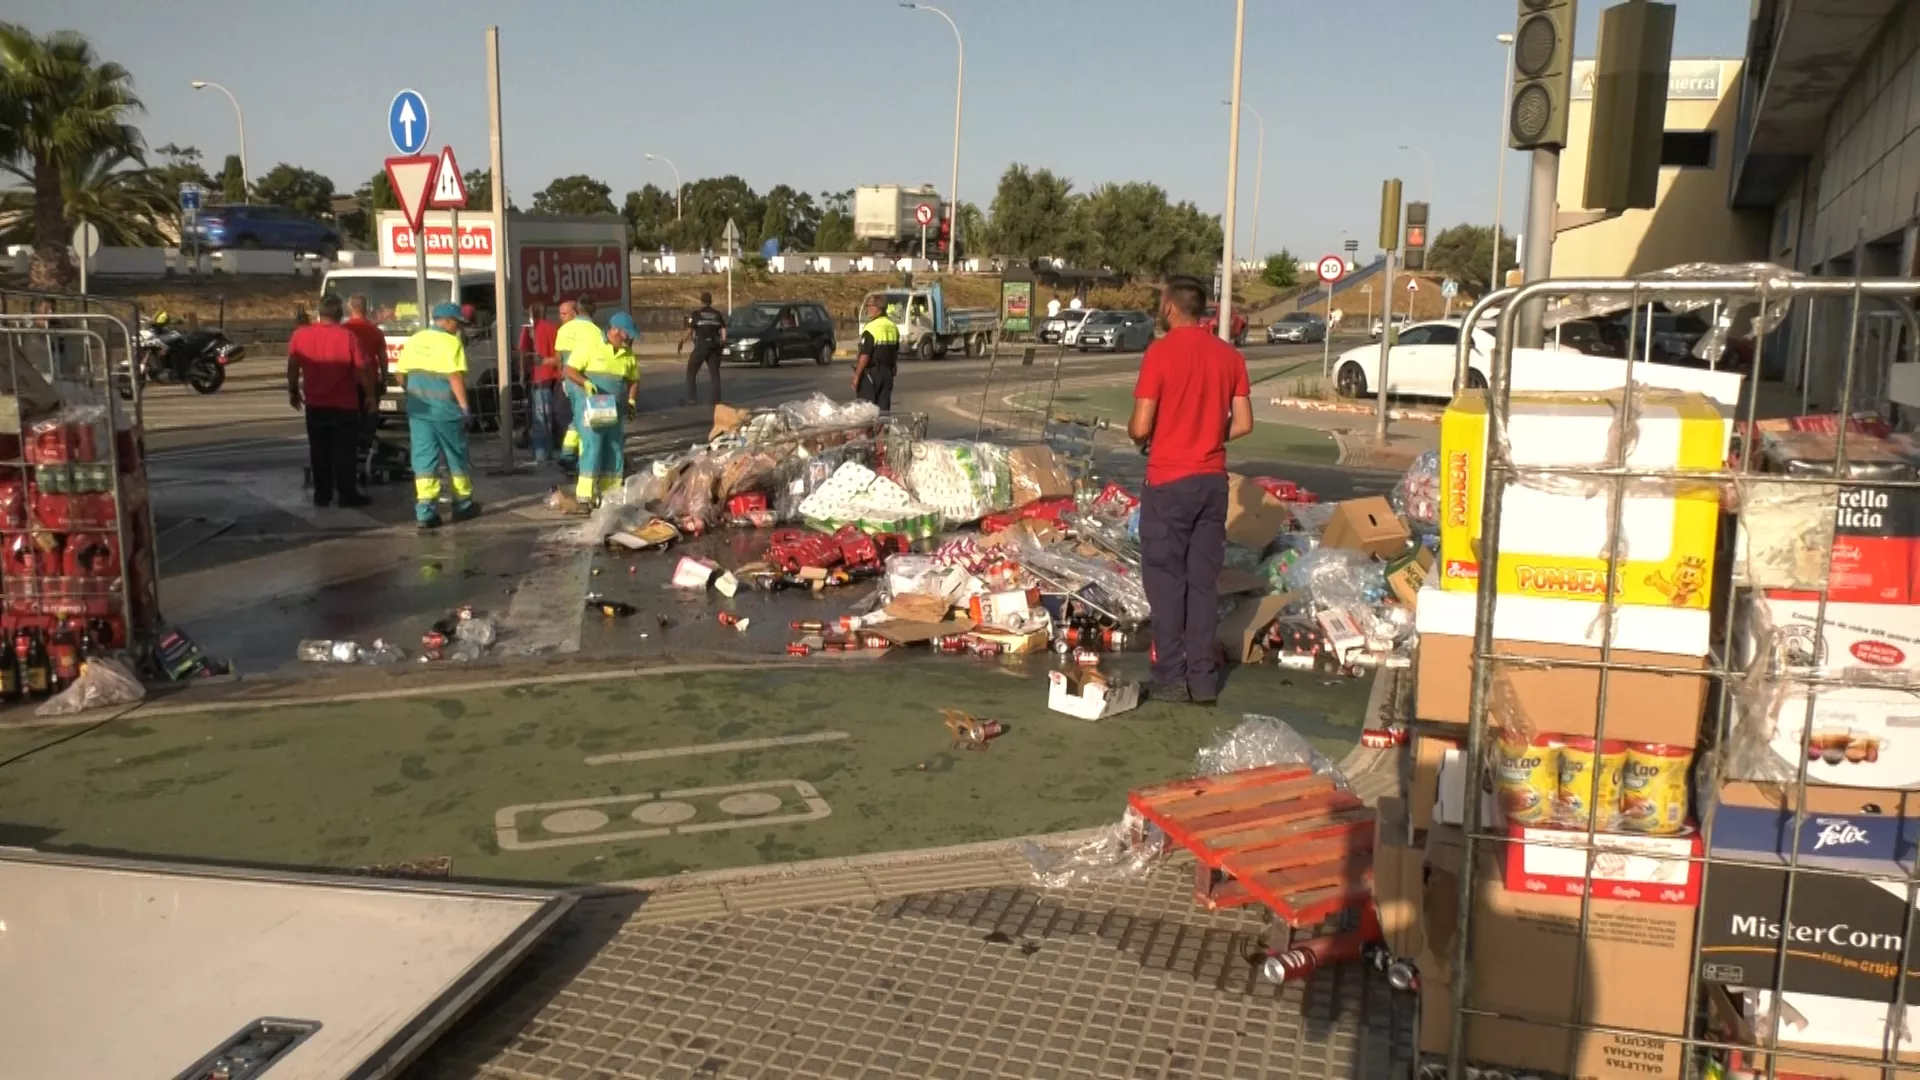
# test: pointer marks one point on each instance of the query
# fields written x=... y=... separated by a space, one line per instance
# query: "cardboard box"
x=1842 y=823
x=1423 y=787
x=1254 y=517
x=1368 y=525
x=1844 y=934
x=1641 y=706
x=1239 y=632
x=1643 y=869
x=1554 y=543
x=1524 y=952
x=1407 y=575
x=1399 y=872
x=1875 y=637
x=1088 y=695
x=1813 y=1022
x=1862 y=736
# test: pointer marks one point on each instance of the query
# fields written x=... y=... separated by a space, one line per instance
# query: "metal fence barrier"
x=1754 y=677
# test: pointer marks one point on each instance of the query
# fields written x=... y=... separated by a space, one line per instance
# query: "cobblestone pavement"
x=948 y=963
x=1123 y=979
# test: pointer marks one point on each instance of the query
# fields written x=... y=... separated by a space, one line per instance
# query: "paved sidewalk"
x=948 y=978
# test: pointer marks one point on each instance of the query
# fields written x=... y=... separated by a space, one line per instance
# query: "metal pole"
x=246 y=183
x=1326 y=339
x=503 y=320
x=1227 y=223
x=1386 y=341
x=1500 y=174
x=959 y=96
x=1538 y=265
x=83 y=266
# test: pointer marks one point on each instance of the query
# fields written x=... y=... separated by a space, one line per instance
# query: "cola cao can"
x=1086 y=657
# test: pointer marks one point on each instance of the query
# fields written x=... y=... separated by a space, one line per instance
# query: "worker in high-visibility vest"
x=577 y=330
x=432 y=369
x=879 y=356
x=608 y=378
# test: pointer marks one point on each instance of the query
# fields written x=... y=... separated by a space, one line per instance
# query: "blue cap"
x=447 y=311
x=623 y=322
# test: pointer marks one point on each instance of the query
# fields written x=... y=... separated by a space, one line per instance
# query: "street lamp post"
x=1427 y=161
x=1500 y=174
x=1259 y=166
x=1233 y=175
x=677 y=185
x=959 y=95
x=241 y=117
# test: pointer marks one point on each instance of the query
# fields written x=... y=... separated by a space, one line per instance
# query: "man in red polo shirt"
x=374 y=340
x=537 y=347
x=327 y=372
x=1191 y=398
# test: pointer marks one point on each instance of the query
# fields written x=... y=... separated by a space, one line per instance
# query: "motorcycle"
x=202 y=354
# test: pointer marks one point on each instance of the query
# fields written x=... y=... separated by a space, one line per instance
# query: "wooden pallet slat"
x=1224 y=782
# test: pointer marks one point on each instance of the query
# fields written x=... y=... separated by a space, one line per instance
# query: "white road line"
x=719 y=747
x=547 y=605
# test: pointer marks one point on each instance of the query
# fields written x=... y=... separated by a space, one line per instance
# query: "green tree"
x=1282 y=271
x=1033 y=213
x=479 y=189
x=791 y=216
x=233 y=180
x=975 y=236
x=181 y=165
x=303 y=191
x=61 y=107
x=650 y=217
x=710 y=202
x=575 y=196
x=835 y=234
x=1465 y=254
x=125 y=200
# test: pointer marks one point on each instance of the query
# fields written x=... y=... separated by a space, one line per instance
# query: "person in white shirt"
x=1075 y=305
x=1053 y=307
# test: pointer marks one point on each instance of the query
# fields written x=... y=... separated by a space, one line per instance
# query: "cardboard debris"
x=726 y=419
x=913 y=631
x=1254 y=516
x=1089 y=695
x=1240 y=630
x=1368 y=525
x=692 y=573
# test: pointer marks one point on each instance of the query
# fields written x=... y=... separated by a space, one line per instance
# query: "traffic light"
x=1629 y=106
x=1542 y=75
x=1389 y=215
x=1414 y=257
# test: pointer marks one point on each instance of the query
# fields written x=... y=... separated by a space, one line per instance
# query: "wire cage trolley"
x=1668 y=696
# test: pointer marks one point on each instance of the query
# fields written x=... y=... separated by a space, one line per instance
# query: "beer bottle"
x=38 y=676
x=64 y=658
x=9 y=680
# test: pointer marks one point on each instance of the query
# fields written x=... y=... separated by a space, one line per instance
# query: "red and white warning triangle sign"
x=412 y=181
x=449 y=188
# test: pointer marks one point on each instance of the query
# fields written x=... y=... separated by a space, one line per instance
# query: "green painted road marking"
x=384 y=782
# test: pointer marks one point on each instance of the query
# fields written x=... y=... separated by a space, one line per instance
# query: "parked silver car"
x=1297 y=327
x=1115 y=331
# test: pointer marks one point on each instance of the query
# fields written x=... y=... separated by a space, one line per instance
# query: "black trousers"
x=708 y=353
x=876 y=385
x=333 y=441
x=1183 y=545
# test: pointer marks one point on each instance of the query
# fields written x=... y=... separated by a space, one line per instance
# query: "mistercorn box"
x=1554 y=530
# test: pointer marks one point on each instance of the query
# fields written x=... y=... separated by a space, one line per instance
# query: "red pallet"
x=1279 y=836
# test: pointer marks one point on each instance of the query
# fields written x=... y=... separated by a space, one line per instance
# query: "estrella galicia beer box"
x=1845 y=935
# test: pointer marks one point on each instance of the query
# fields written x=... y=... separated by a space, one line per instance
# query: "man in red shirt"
x=327 y=372
x=374 y=340
x=536 y=345
x=1191 y=398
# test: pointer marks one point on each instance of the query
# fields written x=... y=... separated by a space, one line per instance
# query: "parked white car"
x=1419 y=364
x=1072 y=332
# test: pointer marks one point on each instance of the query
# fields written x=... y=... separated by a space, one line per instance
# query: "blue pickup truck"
x=928 y=327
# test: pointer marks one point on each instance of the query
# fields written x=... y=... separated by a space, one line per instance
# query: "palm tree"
x=60 y=107
x=132 y=207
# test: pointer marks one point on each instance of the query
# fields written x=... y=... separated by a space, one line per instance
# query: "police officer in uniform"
x=879 y=356
x=707 y=329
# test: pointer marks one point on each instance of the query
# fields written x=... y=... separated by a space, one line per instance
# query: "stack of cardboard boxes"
x=1847 y=936
x=1556 y=762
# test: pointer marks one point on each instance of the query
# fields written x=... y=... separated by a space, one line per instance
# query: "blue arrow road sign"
x=407 y=122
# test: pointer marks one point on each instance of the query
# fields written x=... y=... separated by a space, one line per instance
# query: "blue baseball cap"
x=623 y=322
x=448 y=311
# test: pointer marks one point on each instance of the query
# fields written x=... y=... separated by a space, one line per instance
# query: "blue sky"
x=826 y=94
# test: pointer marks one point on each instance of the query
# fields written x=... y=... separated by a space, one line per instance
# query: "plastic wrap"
x=1037 y=474
x=926 y=575
x=691 y=503
x=1417 y=496
x=1337 y=577
x=1113 y=583
x=1259 y=741
x=817 y=410
x=1130 y=848
x=1786 y=539
x=1771 y=314
x=995 y=464
x=856 y=495
x=103 y=682
x=1311 y=518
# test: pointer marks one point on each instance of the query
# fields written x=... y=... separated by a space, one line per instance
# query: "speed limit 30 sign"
x=1331 y=268
x=923 y=214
